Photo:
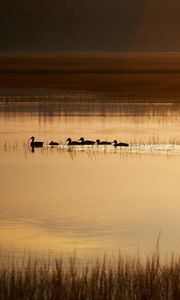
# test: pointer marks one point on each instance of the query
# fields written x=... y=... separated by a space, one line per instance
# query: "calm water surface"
x=93 y=199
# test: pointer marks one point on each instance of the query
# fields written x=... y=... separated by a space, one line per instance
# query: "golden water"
x=93 y=199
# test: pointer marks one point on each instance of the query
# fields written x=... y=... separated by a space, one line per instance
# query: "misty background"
x=96 y=25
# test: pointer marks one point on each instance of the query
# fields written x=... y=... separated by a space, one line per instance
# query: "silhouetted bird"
x=98 y=142
x=53 y=143
x=70 y=142
x=87 y=142
x=120 y=144
x=35 y=143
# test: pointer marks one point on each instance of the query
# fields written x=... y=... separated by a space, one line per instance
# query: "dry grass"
x=122 y=278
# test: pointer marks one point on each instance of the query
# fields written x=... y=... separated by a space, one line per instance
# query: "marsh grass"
x=106 y=278
x=8 y=147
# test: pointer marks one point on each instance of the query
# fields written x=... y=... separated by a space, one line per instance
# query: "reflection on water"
x=84 y=107
x=93 y=198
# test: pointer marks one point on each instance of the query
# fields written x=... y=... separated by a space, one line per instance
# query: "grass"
x=106 y=279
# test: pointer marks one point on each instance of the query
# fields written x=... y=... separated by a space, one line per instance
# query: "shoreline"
x=127 y=76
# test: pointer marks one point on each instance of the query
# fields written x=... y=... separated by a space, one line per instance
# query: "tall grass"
x=106 y=279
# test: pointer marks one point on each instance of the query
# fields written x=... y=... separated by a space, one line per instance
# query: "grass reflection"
x=85 y=105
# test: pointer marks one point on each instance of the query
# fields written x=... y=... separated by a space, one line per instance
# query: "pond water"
x=94 y=199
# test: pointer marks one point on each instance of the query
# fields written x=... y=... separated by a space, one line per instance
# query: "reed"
x=121 y=278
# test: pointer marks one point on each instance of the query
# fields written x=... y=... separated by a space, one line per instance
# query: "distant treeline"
x=128 y=77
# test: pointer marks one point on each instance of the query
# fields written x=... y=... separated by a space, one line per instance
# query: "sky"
x=96 y=25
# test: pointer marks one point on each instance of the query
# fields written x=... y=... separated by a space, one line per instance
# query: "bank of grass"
x=121 y=278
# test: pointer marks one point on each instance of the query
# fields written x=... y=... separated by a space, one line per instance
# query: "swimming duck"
x=70 y=142
x=35 y=143
x=87 y=142
x=120 y=144
x=53 y=143
x=98 y=142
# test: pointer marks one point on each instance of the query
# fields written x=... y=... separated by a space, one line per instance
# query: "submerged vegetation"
x=122 y=278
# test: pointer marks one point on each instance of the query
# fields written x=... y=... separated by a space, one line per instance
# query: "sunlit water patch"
x=26 y=149
x=94 y=199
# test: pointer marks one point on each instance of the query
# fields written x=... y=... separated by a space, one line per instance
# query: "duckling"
x=120 y=144
x=87 y=142
x=102 y=143
x=70 y=142
x=35 y=143
x=53 y=143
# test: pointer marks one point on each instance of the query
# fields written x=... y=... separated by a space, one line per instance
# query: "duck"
x=35 y=143
x=116 y=144
x=98 y=142
x=87 y=142
x=70 y=142
x=53 y=143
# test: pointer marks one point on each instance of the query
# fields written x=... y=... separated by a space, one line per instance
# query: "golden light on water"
x=93 y=199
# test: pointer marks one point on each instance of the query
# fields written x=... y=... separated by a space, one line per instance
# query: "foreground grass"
x=124 y=278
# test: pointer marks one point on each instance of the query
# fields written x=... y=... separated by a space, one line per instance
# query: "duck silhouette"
x=70 y=142
x=53 y=143
x=35 y=144
x=86 y=142
x=98 y=142
x=116 y=144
